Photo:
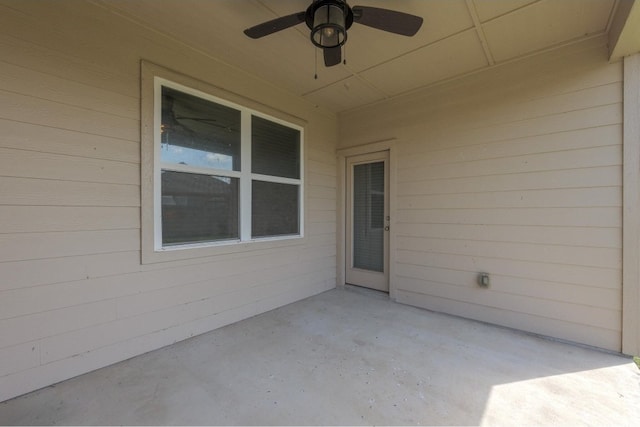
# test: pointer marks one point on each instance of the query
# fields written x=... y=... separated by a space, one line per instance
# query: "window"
x=223 y=173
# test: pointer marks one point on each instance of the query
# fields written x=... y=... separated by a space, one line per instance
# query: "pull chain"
x=315 y=56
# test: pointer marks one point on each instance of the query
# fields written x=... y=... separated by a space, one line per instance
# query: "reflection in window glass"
x=198 y=208
x=197 y=132
x=275 y=149
x=202 y=187
x=274 y=209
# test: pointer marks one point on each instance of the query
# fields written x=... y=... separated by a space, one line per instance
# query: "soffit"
x=545 y=23
x=624 y=35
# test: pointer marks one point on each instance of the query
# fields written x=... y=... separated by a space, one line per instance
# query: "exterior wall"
x=74 y=295
x=516 y=172
x=631 y=204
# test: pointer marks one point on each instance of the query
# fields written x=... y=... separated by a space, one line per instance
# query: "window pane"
x=275 y=149
x=198 y=208
x=198 y=132
x=274 y=209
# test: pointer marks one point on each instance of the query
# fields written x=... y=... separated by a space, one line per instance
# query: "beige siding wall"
x=515 y=172
x=73 y=293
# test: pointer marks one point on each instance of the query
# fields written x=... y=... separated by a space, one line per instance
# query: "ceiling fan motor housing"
x=329 y=21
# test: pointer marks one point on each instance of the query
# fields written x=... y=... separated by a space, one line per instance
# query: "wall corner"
x=631 y=208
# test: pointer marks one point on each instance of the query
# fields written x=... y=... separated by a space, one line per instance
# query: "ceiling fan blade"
x=275 y=25
x=387 y=20
x=332 y=56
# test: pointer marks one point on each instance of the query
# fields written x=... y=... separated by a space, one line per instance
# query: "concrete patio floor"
x=349 y=356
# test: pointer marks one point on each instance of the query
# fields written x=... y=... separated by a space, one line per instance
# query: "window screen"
x=275 y=149
x=274 y=209
x=198 y=208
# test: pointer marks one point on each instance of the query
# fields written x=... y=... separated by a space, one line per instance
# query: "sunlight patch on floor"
x=555 y=401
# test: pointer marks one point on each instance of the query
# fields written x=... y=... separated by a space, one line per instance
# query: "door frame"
x=342 y=155
x=353 y=275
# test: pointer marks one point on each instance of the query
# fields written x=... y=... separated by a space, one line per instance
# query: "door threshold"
x=364 y=290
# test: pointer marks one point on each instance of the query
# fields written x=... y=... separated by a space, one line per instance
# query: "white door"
x=367 y=235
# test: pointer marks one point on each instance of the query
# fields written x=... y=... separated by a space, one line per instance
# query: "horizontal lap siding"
x=517 y=173
x=73 y=293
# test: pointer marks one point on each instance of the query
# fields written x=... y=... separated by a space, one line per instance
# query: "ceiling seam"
x=124 y=15
x=371 y=85
x=394 y=58
x=480 y=31
x=480 y=70
x=279 y=15
x=424 y=46
x=344 y=80
x=512 y=11
x=612 y=15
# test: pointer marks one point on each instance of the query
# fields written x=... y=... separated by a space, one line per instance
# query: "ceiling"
x=458 y=37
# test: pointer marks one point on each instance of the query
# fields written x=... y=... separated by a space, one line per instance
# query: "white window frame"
x=154 y=78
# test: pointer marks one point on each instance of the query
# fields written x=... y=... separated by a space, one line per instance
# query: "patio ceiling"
x=458 y=37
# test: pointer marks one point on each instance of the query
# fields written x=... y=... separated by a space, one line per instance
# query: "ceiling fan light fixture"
x=329 y=21
x=329 y=26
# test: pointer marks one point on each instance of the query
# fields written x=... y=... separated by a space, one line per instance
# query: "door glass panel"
x=368 y=216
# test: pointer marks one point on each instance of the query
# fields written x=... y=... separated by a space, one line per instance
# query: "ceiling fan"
x=329 y=21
